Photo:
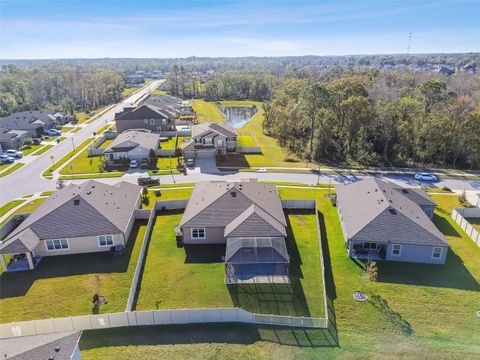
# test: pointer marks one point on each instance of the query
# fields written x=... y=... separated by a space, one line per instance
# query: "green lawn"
x=168 y=144
x=82 y=117
x=475 y=222
x=246 y=140
x=105 y=144
x=414 y=311
x=47 y=193
x=129 y=91
x=43 y=150
x=158 y=92
x=26 y=209
x=207 y=111
x=201 y=273
x=83 y=164
x=112 y=174
x=65 y=285
x=9 y=206
x=163 y=163
x=11 y=169
x=3 y=166
x=103 y=128
x=67 y=157
x=31 y=149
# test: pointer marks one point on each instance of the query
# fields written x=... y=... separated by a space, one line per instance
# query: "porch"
x=256 y=274
x=369 y=251
x=20 y=262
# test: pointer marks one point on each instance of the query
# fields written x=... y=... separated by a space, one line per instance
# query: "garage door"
x=209 y=154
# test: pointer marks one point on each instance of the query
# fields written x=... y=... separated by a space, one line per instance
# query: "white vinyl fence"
x=249 y=149
x=459 y=216
x=151 y=318
x=12 y=224
x=299 y=204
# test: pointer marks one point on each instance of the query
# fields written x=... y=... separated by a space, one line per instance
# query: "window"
x=105 y=240
x=396 y=250
x=152 y=121
x=198 y=233
x=370 y=245
x=164 y=122
x=58 y=244
x=437 y=253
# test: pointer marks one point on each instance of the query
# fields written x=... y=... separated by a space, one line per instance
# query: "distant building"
x=145 y=117
x=210 y=140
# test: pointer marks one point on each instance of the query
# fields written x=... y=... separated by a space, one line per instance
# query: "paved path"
x=28 y=179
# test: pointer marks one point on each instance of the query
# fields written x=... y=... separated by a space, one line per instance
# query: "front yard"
x=171 y=273
x=65 y=285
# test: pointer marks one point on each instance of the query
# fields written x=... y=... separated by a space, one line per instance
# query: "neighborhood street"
x=28 y=180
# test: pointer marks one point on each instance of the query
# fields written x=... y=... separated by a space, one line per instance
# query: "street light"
x=171 y=170
x=73 y=144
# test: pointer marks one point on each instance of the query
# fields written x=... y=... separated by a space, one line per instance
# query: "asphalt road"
x=28 y=180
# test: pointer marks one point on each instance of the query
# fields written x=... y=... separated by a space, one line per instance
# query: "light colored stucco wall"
x=78 y=246
x=212 y=236
x=123 y=125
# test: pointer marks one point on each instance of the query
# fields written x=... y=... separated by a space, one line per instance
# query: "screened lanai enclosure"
x=261 y=260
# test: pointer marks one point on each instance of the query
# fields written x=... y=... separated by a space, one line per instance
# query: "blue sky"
x=127 y=28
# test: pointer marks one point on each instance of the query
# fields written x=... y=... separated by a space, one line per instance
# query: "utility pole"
x=73 y=144
x=409 y=42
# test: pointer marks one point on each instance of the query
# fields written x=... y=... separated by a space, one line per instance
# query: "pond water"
x=237 y=116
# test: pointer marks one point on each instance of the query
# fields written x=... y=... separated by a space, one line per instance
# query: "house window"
x=164 y=122
x=57 y=244
x=198 y=233
x=152 y=121
x=207 y=141
x=437 y=253
x=396 y=250
x=370 y=245
x=105 y=240
x=145 y=121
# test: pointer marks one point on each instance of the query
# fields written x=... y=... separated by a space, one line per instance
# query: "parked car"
x=5 y=159
x=14 y=153
x=133 y=164
x=147 y=180
x=144 y=164
x=53 y=132
x=190 y=162
x=36 y=141
x=421 y=176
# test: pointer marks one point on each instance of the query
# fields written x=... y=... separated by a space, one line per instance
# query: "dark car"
x=148 y=180
x=36 y=141
x=144 y=164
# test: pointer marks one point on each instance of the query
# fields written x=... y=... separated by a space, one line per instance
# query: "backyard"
x=414 y=311
x=201 y=274
x=475 y=222
x=65 y=285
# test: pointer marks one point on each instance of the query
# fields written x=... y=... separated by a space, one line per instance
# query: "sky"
x=45 y=29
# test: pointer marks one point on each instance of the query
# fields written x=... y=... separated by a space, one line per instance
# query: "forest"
x=58 y=87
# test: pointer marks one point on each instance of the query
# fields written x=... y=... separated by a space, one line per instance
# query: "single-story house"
x=171 y=103
x=382 y=221
x=210 y=140
x=145 y=117
x=57 y=346
x=85 y=218
x=17 y=127
x=248 y=218
x=131 y=145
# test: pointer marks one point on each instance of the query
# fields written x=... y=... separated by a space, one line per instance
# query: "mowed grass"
x=31 y=149
x=11 y=169
x=43 y=150
x=65 y=285
x=246 y=140
x=414 y=311
x=9 y=206
x=129 y=91
x=475 y=222
x=83 y=164
x=82 y=117
x=67 y=157
x=105 y=144
x=26 y=209
x=168 y=144
x=207 y=111
x=201 y=273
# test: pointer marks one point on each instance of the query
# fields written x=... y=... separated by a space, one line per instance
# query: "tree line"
x=59 y=87
x=379 y=118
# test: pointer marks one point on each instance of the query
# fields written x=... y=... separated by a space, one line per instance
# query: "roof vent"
x=392 y=211
x=89 y=192
x=57 y=349
x=234 y=194
x=76 y=202
x=405 y=191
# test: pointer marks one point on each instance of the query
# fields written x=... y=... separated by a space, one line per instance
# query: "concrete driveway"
x=205 y=163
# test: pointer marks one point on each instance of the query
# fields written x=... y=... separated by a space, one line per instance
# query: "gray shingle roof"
x=27 y=120
x=40 y=347
x=144 y=111
x=218 y=203
x=206 y=128
x=374 y=210
x=253 y=221
x=89 y=209
x=131 y=139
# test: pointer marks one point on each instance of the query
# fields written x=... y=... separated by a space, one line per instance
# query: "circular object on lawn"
x=478 y=313
x=360 y=296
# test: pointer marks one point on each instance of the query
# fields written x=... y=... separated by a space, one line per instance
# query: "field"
x=414 y=311
x=65 y=285
x=207 y=111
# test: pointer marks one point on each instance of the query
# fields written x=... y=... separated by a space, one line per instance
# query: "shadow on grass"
x=15 y=284
x=204 y=254
x=236 y=334
x=444 y=226
x=396 y=320
x=452 y=274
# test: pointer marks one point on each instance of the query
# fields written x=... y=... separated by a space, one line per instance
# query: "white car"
x=14 y=153
x=425 y=177
x=53 y=132
x=5 y=159
x=133 y=164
